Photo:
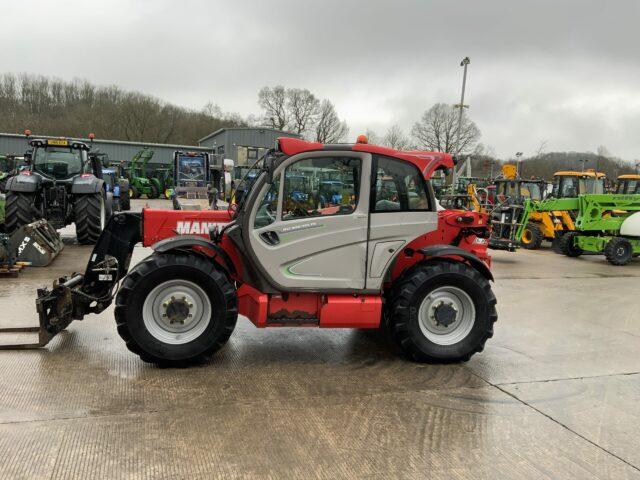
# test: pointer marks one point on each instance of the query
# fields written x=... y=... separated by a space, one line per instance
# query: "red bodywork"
x=319 y=309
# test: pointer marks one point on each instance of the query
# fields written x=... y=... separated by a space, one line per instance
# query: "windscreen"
x=191 y=171
x=592 y=185
x=531 y=190
x=58 y=162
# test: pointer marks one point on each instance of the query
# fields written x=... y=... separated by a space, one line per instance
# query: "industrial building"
x=117 y=150
x=243 y=145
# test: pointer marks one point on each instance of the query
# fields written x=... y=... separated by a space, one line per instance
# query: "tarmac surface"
x=555 y=394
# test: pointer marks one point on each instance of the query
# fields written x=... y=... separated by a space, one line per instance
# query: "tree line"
x=74 y=108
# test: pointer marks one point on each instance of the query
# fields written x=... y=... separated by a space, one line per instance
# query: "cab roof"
x=629 y=176
x=427 y=162
x=585 y=174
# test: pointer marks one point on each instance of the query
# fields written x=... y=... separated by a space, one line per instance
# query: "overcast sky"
x=565 y=72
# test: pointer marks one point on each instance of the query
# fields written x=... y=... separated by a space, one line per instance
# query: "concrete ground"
x=555 y=394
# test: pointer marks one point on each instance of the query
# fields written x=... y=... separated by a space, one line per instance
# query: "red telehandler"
x=376 y=254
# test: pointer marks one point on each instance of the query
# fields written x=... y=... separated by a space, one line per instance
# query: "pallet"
x=7 y=271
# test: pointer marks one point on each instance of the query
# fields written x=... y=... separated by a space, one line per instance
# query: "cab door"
x=402 y=209
x=305 y=239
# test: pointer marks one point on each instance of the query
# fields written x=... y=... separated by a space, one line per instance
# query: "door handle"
x=270 y=237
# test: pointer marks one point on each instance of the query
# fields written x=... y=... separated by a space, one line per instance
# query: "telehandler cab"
x=375 y=258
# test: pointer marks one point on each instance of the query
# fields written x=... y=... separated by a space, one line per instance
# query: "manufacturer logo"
x=23 y=245
x=196 y=228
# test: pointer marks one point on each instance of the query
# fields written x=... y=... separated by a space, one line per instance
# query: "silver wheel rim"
x=176 y=312
x=452 y=299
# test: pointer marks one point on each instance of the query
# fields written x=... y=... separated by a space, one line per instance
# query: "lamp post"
x=519 y=164
x=464 y=63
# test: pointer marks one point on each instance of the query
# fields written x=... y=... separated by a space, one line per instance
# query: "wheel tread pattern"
x=147 y=266
x=401 y=303
x=87 y=218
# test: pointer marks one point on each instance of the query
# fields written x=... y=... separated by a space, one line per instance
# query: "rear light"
x=25 y=172
x=86 y=175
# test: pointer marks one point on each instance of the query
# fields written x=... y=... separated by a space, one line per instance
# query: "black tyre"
x=109 y=204
x=567 y=246
x=19 y=210
x=133 y=192
x=125 y=199
x=176 y=309
x=90 y=217
x=153 y=192
x=555 y=243
x=618 y=251
x=442 y=311
x=531 y=237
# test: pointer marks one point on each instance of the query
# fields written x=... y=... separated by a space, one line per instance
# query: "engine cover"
x=631 y=226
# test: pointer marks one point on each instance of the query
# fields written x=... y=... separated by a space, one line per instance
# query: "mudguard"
x=84 y=185
x=23 y=183
x=443 y=251
x=189 y=241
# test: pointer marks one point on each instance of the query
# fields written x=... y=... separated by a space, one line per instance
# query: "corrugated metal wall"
x=235 y=139
x=117 y=150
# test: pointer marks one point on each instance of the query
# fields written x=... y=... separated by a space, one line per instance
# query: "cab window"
x=268 y=209
x=324 y=186
x=398 y=186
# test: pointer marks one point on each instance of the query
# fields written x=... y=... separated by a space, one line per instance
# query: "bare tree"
x=372 y=137
x=329 y=128
x=303 y=109
x=395 y=138
x=438 y=130
x=274 y=103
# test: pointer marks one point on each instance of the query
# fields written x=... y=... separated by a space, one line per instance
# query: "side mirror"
x=268 y=167
x=27 y=157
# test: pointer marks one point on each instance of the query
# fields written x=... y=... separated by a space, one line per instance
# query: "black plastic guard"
x=442 y=251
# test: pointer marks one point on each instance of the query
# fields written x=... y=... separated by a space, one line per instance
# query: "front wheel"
x=618 y=251
x=176 y=309
x=90 y=217
x=531 y=237
x=442 y=312
x=567 y=245
x=19 y=210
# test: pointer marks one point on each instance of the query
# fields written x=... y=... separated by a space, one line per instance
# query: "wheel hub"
x=177 y=310
x=444 y=314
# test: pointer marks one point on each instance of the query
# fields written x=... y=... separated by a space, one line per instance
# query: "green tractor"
x=163 y=179
x=7 y=169
x=606 y=224
x=139 y=182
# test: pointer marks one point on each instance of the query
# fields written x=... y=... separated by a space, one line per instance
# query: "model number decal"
x=303 y=226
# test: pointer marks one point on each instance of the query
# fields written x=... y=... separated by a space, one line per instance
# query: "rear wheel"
x=19 y=210
x=176 y=309
x=90 y=217
x=442 y=312
x=125 y=199
x=153 y=192
x=531 y=237
x=567 y=245
x=618 y=251
x=134 y=192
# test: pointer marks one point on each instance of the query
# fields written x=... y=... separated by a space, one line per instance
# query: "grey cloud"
x=562 y=71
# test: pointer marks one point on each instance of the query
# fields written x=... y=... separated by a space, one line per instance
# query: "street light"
x=583 y=161
x=519 y=160
x=464 y=63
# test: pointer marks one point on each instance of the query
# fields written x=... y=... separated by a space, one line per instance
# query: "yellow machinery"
x=552 y=225
x=628 y=184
